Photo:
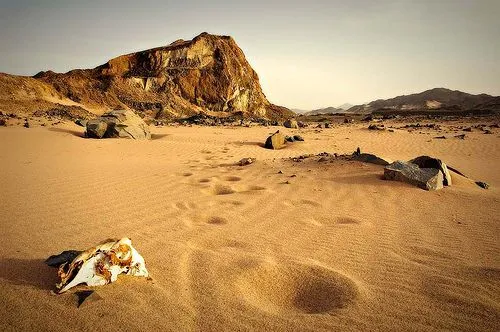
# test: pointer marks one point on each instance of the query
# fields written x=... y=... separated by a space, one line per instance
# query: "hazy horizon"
x=308 y=55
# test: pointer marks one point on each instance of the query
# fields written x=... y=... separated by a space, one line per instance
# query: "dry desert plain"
x=277 y=245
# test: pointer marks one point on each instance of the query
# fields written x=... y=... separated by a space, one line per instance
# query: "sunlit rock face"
x=208 y=74
x=101 y=265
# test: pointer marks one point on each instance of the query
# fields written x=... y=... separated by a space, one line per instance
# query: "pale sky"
x=308 y=54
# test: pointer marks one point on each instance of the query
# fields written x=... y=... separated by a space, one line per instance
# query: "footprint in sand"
x=221 y=189
x=309 y=202
x=295 y=288
x=256 y=188
x=216 y=220
x=232 y=178
x=347 y=221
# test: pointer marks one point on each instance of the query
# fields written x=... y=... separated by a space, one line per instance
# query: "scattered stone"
x=81 y=122
x=461 y=136
x=348 y=120
x=368 y=118
x=118 y=123
x=370 y=158
x=289 y=139
x=280 y=172
x=469 y=129
x=275 y=141
x=3 y=123
x=302 y=124
x=327 y=125
x=376 y=127
x=298 y=138
x=483 y=185
x=425 y=178
x=291 y=123
x=440 y=137
x=26 y=124
x=487 y=131
x=246 y=161
x=429 y=162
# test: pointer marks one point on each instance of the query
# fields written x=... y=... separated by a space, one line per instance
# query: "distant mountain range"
x=327 y=110
x=433 y=100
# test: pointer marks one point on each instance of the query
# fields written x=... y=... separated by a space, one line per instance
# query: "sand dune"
x=317 y=246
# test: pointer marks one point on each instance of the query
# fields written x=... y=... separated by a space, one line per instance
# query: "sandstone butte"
x=208 y=74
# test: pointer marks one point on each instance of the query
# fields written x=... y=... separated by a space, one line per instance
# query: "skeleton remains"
x=101 y=265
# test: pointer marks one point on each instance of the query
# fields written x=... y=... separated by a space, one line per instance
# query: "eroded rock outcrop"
x=208 y=74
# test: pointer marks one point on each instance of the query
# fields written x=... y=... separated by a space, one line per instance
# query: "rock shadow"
x=28 y=272
x=76 y=133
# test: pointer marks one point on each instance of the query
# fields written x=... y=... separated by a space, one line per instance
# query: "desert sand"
x=317 y=246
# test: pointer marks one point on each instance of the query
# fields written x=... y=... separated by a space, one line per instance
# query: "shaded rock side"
x=118 y=123
x=425 y=178
x=275 y=141
x=291 y=123
x=430 y=162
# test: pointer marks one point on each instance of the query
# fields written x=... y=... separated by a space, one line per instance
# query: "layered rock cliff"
x=208 y=74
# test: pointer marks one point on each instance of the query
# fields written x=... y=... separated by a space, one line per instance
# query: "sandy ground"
x=238 y=248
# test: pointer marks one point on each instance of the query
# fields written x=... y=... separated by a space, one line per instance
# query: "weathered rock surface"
x=291 y=123
x=370 y=158
x=208 y=74
x=430 y=162
x=118 y=123
x=275 y=141
x=425 y=178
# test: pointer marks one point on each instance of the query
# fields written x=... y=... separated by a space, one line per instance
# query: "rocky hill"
x=434 y=100
x=206 y=75
x=326 y=110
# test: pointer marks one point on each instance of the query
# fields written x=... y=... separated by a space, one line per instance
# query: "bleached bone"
x=101 y=265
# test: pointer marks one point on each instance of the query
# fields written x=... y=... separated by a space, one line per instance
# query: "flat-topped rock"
x=425 y=178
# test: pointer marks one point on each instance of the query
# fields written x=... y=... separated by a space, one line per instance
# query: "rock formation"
x=208 y=74
x=119 y=124
x=425 y=178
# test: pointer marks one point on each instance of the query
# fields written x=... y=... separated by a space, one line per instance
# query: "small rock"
x=2 y=122
x=246 y=161
x=376 y=127
x=26 y=124
x=469 y=129
x=291 y=123
x=483 y=185
x=298 y=138
x=440 y=137
x=289 y=139
x=275 y=141
x=280 y=172
x=462 y=136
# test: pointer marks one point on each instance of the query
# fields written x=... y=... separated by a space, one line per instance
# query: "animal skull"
x=101 y=265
